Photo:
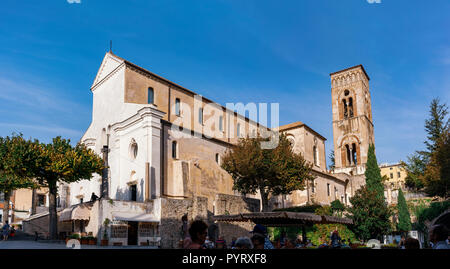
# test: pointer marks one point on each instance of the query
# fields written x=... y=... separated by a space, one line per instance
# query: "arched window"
x=218 y=158
x=354 y=155
x=150 y=95
x=350 y=107
x=174 y=150
x=238 y=130
x=177 y=107
x=349 y=159
x=344 y=103
x=347 y=105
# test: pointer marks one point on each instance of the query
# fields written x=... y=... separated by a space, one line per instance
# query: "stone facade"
x=352 y=119
x=158 y=173
x=396 y=175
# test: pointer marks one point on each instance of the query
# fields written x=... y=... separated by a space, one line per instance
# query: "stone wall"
x=171 y=212
x=232 y=204
x=39 y=223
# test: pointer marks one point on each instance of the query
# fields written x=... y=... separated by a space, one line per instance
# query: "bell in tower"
x=352 y=119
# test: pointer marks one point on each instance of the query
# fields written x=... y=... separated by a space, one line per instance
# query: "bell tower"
x=352 y=119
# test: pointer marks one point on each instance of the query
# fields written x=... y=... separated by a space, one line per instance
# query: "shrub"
x=74 y=236
x=319 y=231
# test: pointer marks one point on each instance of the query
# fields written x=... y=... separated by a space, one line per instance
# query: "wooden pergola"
x=284 y=219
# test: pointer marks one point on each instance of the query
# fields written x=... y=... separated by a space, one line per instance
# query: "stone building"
x=396 y=176
x=352 y=135
x=352 y=119
x=158 y=172
x=23 y=203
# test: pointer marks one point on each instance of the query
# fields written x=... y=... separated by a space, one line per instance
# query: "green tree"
x=435 y=126
x=318 y=232
x=324 y=211
x=369 y=213
x=10 y=179
x=416 y=166
x=269 y=171
x=415 y=169
x=404 y=219
x=373 y=174
x=53 y=163
x=333 y=161
x=337 y=208
x=437 y=172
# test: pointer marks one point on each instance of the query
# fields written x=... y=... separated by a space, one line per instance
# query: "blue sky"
x=228 y=51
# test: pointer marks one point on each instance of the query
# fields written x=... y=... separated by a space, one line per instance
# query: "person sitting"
x=438 y=234
x=197 y=232
x=299 y=243
x=289 y=244
x=94 y=197
x=412 y=243
x=243 y=243
x=221 y=243
x=261 y=229
x=324 y=243
x=208 y=243
x=12 y=232
x=233 y=242
x=344 y=244
x=258 y=241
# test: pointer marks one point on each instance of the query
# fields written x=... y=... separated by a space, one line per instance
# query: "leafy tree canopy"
x=369 y=213
x=269 y=171
x=437 y=172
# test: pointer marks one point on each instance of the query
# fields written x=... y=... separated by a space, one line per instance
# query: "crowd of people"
x=196 y=237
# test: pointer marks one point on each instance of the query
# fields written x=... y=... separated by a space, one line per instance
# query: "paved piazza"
x=29 y=244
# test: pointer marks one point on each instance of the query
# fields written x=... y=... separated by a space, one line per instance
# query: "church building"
x=157 y=173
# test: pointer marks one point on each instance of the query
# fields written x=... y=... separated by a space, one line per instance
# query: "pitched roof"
x=299 y=124
x=356 y=66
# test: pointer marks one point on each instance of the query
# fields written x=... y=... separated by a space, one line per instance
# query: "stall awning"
x=126 y=216
x=78 y=212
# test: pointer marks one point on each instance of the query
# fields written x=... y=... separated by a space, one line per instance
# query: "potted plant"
x=92 y=240
x=73 y=236
x=104 y=241
x=84 y=240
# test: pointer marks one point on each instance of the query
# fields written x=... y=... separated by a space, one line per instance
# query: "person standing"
x=402 y=243
x=335 y=239
x=5 y=229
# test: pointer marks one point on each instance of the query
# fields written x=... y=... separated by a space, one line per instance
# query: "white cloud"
x=51 y=130
x=74 y=1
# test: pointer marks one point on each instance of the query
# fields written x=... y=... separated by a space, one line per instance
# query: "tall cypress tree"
x=369 y=210
x=373 y=173
x=404 y=219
